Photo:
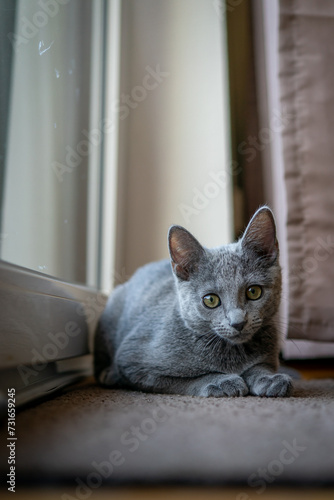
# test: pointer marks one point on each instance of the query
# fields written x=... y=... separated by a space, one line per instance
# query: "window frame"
x=46 y=334
x=47 y=324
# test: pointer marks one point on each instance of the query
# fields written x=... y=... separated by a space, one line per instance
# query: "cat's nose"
x=238 y=326
x=237 y=319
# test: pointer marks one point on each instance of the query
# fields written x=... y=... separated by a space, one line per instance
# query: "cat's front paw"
x=277 y=385
x=226 y=386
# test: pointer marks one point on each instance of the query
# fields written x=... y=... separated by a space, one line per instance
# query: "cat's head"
x=233 y=290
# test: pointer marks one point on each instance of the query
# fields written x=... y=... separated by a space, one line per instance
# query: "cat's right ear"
x=260 y=235
x=185 y=252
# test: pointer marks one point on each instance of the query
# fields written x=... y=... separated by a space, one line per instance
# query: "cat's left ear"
x=185 y=252
x=260 y=235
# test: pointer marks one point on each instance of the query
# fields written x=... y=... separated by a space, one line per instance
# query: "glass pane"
x=47 y=156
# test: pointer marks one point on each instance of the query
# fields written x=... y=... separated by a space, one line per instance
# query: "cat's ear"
x=185 y=252
x=260 y=235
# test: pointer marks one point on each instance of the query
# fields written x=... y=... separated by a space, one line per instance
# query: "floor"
x=307 y=370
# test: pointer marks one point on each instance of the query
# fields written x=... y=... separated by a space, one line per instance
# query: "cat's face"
x=231 y=294
x=231 y=291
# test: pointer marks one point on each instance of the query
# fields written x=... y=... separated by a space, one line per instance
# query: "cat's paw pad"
x=232 y=386
x=106 y=377
x=278 y=385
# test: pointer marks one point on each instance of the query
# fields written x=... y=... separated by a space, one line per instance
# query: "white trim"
x=110 y=149
x=94 y=167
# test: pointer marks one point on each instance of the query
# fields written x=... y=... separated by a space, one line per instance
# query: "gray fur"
x=156 y=334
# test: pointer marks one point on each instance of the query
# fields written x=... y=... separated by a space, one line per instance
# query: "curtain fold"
x=307 y=93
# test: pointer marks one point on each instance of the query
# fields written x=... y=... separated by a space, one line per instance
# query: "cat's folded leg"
x=263 y=381
x=210 y=385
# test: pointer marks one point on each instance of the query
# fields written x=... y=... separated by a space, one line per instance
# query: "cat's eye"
x=211 y=300
x=254 y=292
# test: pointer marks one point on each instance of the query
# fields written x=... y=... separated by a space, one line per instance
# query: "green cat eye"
x=254 y=292
x=211 y=300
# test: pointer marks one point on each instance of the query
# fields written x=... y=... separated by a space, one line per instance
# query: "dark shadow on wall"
x=248 y=188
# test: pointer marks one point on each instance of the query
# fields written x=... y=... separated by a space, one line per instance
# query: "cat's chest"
x=221 y=357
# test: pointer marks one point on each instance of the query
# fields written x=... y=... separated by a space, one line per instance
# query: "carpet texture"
x=88 y=435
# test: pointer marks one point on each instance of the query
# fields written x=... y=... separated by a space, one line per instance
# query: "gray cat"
x=201 y=324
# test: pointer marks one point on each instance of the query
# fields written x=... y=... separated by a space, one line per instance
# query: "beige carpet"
x=88 y=435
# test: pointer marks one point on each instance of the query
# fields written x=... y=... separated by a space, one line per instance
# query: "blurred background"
x=119 y=119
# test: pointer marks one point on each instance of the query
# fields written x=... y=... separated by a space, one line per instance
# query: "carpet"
x=88 y=435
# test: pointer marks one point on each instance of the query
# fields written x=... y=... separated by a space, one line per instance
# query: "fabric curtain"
x=306 y=39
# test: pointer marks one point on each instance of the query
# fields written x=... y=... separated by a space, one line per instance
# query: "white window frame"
x=46 y=324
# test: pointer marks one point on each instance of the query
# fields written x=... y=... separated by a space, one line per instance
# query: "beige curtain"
x=307 y=93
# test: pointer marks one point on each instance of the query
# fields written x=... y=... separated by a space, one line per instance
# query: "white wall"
x=175 y=138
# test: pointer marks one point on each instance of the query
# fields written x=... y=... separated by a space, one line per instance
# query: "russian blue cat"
x=201 y=324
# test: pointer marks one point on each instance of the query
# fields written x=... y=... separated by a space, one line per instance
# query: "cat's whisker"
x=199 y=337
x=279 y=323
x=212 y=340
x=296 y=345
x=217 y=343
x=287 y=325
x=206 y=334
